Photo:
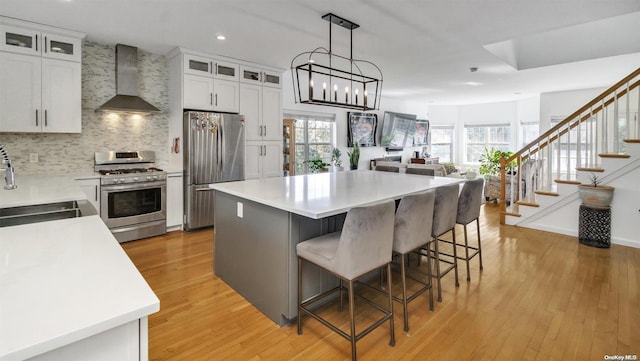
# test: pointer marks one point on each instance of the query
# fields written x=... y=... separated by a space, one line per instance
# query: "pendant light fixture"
x=319 y=76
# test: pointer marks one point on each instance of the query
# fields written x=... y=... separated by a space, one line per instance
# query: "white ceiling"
x=424 y=47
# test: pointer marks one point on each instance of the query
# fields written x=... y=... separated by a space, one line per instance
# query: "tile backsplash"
x=73 y=153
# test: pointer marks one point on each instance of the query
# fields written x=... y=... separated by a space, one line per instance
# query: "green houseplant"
x=317 y=165
x=335 y=159
x=490 y=162
x=354 y=156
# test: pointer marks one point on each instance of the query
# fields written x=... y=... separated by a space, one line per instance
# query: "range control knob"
x=155 y=177
x=135 y=179
x=121 y=180
x=148 y=177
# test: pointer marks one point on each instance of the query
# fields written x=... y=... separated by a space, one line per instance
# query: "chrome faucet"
x=9 y=174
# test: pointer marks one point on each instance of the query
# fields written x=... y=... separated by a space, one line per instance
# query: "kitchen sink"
x=45 y=212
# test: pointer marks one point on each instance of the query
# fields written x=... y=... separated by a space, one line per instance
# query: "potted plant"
x=354 y=157
x=490 y=162
x=317 y=165
x=595 y=194
x=335 y=159
x=490 y=169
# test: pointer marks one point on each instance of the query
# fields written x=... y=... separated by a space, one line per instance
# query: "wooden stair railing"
x=601 y=121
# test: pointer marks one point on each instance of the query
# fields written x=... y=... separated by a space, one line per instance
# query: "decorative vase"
x=353 y=167
x=599 y=196
x=471 y=174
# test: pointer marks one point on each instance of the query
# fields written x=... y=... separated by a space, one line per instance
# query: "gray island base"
x=259 y=222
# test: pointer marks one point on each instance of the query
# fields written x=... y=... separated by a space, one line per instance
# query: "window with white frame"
x=529 y=131
x=314 y=138
x=441 y=142
x=478 y=137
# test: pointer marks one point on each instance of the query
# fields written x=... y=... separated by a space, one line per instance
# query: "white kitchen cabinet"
x=209 y=90
x=40 y=73
x=39 y=94
x=61 y=96
x=198 y=92
x=91 y=187
x=30 y=41
x=226 y=70
x=119 y=343
x=226 y=96
x=252 y=75
x=262 y=109
x=263 y=159
x=174 y=200
x=20 y=93
x=197 y=65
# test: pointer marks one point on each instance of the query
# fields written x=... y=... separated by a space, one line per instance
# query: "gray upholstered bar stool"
x=364 y=245
x=421 y=171
x=469 y=203
x=412 y=231
x=444 y=220
x=388 y=168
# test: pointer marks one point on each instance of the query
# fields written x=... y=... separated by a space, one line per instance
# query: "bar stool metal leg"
x=299 y=296
x=479 y=243
x=392 y=341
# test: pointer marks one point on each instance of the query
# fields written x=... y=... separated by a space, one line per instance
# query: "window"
x=314 y=138
x=479 y=137
x=441 y=141
x=529 y=131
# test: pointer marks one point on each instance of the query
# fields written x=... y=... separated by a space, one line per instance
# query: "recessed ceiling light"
x=220 y=37
x=473 y=83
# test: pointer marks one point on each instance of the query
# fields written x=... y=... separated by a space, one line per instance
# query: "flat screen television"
x=361 y=129
x=397 y=128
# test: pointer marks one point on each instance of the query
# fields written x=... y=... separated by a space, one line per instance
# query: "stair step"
x=613 y=155
x=513 y=214
x=547 y=193
x=566 y=181
x=587 y=169
x=632 y=140
x=529 y=204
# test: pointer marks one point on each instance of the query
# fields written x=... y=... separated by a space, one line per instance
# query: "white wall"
x=562 y=104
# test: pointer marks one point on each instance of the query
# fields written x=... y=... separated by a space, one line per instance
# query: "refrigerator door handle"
x=221 y=148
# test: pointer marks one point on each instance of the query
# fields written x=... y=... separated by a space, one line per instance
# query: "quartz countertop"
x=63 y=281
x=326 y=194
x=40 y=189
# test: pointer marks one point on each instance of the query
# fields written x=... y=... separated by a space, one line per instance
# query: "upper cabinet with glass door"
x=204 y=66
x=259 y=76
x=24 y=40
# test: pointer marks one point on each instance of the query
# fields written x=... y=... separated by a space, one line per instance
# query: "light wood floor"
x=541 y=296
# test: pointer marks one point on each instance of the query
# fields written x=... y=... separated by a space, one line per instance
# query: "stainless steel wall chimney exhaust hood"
x=127 y=99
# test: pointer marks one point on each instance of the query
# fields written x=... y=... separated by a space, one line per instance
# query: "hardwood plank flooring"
x=541 y=296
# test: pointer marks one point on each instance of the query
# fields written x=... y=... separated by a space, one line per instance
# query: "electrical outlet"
x=33 y=157
x=240 y=211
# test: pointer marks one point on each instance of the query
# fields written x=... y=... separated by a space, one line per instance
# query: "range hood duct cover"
x=127 y=99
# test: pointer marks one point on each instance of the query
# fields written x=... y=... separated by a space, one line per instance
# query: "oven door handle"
x=132 y=186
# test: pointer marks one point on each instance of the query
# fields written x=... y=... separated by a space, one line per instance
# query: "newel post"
x=503 y=188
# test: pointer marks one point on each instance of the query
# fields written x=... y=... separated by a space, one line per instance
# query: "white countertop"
x=63 y=281
x=39 y=189
x=326 y=194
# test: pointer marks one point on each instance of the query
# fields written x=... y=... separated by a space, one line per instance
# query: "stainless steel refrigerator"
x=214 y=152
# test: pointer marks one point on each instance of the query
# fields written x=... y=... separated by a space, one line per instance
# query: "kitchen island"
x=68 y=291
x=258 y=223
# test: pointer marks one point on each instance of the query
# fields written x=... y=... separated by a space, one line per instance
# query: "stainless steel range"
x=132 y=194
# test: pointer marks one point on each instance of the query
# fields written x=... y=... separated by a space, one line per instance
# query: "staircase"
x=603 y=139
